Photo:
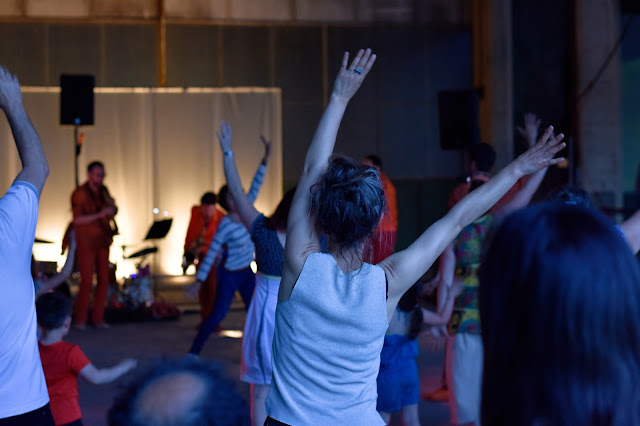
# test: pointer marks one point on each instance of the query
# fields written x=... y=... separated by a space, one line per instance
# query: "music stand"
x=159 y=229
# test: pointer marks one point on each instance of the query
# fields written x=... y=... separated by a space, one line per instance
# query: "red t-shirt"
x=62 y=363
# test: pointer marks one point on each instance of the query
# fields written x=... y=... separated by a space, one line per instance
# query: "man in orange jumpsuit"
x=93 y=208
x=202 y=227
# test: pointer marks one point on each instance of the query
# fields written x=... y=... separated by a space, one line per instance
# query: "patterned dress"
x=468 y=248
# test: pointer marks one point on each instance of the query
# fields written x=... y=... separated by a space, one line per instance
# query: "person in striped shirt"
x=234 y=272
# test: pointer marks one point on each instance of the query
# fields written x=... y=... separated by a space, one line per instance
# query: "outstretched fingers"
x=224 y=135
x=345 y=60
x=363 y=62
x=350 y=78
x=554 y=146
x=356 y=61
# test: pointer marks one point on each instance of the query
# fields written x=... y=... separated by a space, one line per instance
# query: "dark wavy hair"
x=280 y=217
x=208 y=198
x=559 y=301
x=222 y=197
x=219 y=405
x=52 y=310
x=95 y=164
x=347 y=202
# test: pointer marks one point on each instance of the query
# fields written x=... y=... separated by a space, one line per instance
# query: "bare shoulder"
x=292 y=268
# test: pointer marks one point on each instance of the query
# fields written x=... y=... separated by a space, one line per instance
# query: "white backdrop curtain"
x=160 y=151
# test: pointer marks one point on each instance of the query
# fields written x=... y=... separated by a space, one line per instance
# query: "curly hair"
x=347 y=202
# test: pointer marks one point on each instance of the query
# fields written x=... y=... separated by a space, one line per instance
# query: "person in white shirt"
x=23 y=391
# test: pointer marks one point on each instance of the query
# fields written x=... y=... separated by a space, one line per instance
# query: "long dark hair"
x=559 y=302
x=347 y=202
x=222 y=198
x=280 y=217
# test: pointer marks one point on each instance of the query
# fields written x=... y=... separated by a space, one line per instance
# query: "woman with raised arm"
x=235 y=274
x=333 y=308
x=268 y=235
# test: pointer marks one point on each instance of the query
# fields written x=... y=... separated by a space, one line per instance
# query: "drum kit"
x=136 y=290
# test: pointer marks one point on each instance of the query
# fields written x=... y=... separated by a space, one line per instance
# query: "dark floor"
x=149 y=340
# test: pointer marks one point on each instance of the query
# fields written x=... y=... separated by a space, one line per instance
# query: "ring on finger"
x=358 y=70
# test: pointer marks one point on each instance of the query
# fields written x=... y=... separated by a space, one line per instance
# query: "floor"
x=149 y=340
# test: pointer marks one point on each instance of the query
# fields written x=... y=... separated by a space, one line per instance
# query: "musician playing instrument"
x=202 y=227
x=93 y=211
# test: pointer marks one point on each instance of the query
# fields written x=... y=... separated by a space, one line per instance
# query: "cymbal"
x=40 y=240
x=143 y=252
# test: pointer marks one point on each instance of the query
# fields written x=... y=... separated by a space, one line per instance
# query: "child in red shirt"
x=63 y=362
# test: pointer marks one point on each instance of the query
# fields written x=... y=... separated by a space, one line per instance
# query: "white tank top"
x=326 y=347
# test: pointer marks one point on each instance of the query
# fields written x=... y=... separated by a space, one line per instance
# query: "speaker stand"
x=78 y=147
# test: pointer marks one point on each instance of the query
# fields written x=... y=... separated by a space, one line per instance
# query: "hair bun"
x=348 y=201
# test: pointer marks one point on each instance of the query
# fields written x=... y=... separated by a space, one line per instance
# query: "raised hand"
x=9 y=89
x=530 y=129
x=267 y=149
x=541 y=154
x=350 y=78
x=224 y=136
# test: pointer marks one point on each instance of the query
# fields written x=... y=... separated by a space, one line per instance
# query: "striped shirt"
x=235 y=235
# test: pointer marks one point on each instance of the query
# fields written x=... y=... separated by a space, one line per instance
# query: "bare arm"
x=302 y=239
x=34 y=163
x=524 y=196
x=405 y=267
x=631 y=229
x=99 y=376
x=446 y=269
x=66 y=271
x=443 y=315
x=246 y=210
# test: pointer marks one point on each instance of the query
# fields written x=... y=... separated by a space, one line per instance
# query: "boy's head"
x=54 y=311
x=482 y=157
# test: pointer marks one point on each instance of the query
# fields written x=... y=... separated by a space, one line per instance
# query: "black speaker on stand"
x=76 y=106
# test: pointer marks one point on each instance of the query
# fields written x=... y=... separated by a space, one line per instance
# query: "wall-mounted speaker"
x=76 y=99
x=458 y=118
